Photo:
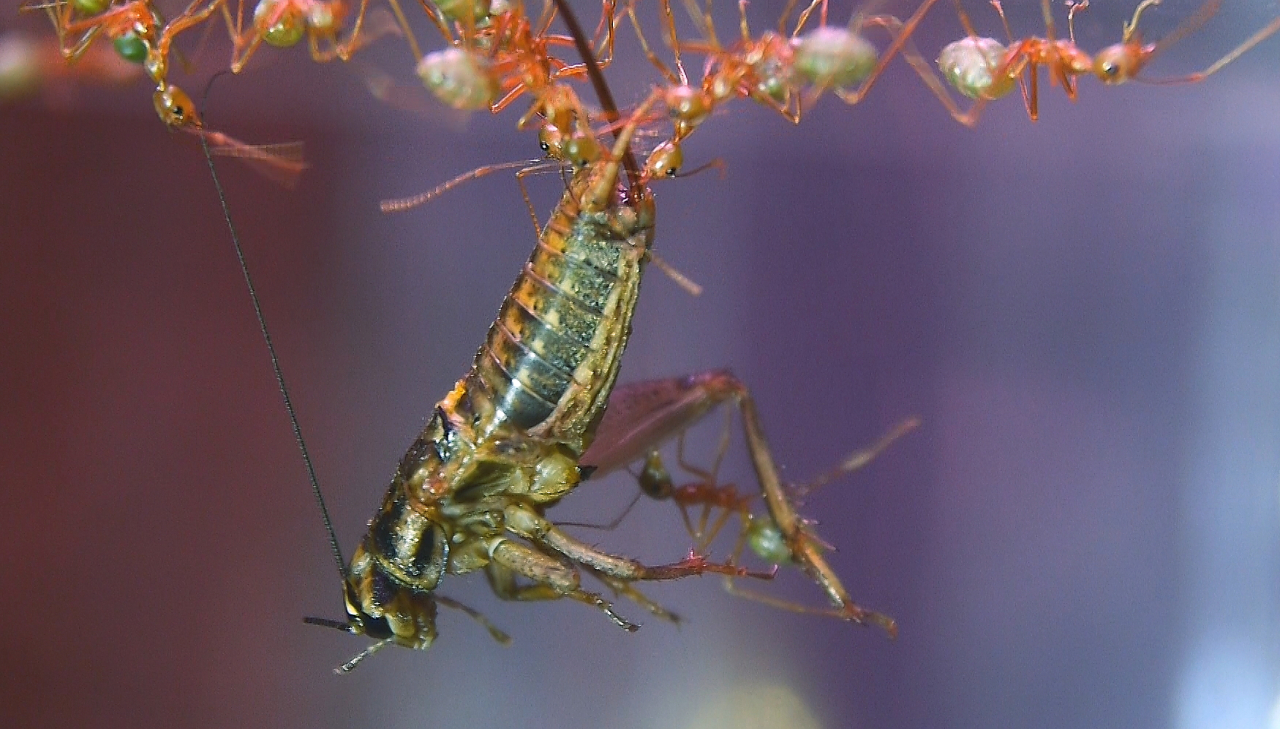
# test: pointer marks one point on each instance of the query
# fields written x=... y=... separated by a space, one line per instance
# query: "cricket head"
x=382 y=606
x=383 y=609
x=389 y=585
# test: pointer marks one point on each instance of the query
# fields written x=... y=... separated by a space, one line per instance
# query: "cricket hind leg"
x=664 y=409
x=629 y=591
x=805 y=548
x=550 y=578
x=532 y=526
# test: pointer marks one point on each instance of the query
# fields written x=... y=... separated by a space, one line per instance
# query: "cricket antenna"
x=271 y=350
x=610 y=107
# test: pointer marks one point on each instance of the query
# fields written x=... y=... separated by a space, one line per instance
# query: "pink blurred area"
x=1085 y=312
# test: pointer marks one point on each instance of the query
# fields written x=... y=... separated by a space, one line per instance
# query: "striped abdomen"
x=551 y=357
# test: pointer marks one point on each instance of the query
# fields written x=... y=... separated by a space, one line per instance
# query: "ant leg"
x=1074 y=7
x=402 y=204
x=859 y=459
x=673 y=40
x=702 y=18
x=804 y=15
x=1253 y=40
x=362 y=35
x=515 y=93
x=1033 y=82
x=911 y=54
x=438 y=20
x=627 y=590
x=403 y=22
x=187 y=19
x=75 y=52
x=666 y=72
x=606 y=27
x=1028 y=86
x=524 y=193
x=900 y=39
x=849 y=612
x=645 y=414
x=1004 y=20
x=241 y=50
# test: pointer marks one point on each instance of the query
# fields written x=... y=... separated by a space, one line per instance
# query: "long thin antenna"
x=275 y=364
x=610 y=107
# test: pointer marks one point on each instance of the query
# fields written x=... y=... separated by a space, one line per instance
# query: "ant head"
x=176 y=108
x=1119 y=63
x=654 y=479
x=551 y=140
x=664 y=161
x=580 y=149
x=1122 y=61
x=687 y=106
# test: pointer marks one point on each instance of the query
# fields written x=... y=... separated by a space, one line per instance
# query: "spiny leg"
x=497 y=634
x=529 y=525
x=850 y=612
x=805 y=550
x=629 y=591
x=551 y=580
x=666 y=408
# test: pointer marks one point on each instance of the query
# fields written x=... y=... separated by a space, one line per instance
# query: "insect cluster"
x=540 y=411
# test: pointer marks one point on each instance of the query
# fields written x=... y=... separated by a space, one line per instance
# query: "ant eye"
x=1110 y=69
x=545 y=147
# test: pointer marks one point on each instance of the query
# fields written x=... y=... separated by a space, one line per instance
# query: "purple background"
x=1085 y=312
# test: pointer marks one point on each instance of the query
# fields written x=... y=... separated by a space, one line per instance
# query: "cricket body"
x=509 y=435
x=505 y=443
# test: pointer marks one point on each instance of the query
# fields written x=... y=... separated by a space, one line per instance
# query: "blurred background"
x=1084 y=312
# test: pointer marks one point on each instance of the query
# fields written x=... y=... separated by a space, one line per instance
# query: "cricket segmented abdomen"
x=563 y=324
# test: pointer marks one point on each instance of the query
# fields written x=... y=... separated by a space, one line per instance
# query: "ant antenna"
x=610 y=525
x=271 y=350
x=1131 y=27
x=859 y=459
